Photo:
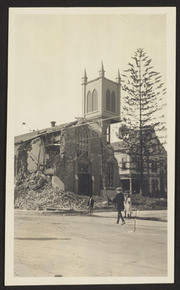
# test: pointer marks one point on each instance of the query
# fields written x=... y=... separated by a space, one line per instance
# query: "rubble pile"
x=35 y=192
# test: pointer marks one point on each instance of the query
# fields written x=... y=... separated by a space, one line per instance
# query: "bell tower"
x=101 y=99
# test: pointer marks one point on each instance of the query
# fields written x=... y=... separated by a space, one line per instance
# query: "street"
x=53 y=244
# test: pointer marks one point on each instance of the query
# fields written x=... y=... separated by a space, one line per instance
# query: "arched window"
x=108 y=103
x=94 y=100
x=89 y=102
x=113 y=102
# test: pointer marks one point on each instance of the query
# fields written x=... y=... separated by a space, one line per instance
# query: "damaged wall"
x=93 y=162
x=78 y=155
x=20 y=158
x=36 y=156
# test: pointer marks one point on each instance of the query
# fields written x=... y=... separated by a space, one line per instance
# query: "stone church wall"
x=63 y=159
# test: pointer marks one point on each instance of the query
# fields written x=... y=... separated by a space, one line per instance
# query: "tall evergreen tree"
x=143 y=106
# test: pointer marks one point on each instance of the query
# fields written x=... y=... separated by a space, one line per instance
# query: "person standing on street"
x=128 y=206
x=119 y=202
x=91 y=204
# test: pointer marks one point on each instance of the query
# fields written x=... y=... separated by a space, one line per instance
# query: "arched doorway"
x=84 y=180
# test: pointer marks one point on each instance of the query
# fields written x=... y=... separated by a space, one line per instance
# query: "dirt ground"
x=53 y=244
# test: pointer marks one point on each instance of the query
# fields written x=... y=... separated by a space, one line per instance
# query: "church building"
x=78 y=153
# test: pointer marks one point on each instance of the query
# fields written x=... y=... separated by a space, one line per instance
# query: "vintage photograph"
x=90 y=146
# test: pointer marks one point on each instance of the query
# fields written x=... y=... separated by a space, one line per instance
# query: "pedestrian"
x=91 y=204
x=119 y=202
x=128 y=206
x=125 y=198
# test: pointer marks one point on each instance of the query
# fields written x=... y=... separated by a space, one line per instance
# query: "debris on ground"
x=35 y=191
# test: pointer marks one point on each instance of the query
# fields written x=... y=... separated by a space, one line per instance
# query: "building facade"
x=154 y=172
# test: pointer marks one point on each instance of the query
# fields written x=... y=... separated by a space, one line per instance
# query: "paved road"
x=48 y=245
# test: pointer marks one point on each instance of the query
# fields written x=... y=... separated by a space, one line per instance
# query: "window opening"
x=82 y=143
x=89 y=102
x=108 y=134
x=110 y=175
x=113 y=102
x=94 y=100
x=124 y=164
x=108 y=104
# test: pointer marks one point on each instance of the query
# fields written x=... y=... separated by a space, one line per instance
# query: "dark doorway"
x=136 y=186
x=125 y=185
x=85 y=184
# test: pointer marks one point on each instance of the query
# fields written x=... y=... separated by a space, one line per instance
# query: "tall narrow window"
x=156 y=184
x=89 y=102
x=137 y=165
x=154 y=166
x=94 y=100
x=110 y=175
x=124 y=164
x=108 y=102
x=108 y=134
x=113 y=102
x=153 y=186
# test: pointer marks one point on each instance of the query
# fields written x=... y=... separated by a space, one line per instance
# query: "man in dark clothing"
x=119 y=202
x=91 y=204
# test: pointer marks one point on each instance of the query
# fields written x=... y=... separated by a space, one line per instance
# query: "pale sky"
x=48 y=54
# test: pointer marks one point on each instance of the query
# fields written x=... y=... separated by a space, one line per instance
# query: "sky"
x=48 y=53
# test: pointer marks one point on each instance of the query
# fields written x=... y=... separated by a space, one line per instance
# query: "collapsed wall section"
x=78 y=155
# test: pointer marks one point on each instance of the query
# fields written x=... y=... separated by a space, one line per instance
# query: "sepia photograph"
x=90 y=146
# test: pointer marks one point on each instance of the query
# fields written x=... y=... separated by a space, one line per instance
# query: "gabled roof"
x=32 y=135
x=35 y=134
x=123 y=147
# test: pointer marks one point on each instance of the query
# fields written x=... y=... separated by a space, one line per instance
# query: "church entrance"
x=84 y=179
x=85 y=184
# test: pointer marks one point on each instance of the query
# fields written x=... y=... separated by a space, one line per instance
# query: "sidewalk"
x=154 y=215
